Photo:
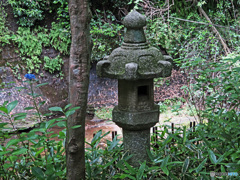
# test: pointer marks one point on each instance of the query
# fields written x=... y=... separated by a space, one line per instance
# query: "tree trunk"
x=79 y=66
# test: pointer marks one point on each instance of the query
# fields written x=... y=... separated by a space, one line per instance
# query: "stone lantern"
x=135 y=64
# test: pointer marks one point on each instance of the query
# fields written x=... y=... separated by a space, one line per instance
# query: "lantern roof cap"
x=134 y=59
x=134 y=20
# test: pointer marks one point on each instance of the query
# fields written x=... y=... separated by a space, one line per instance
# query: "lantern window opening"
x=143 y=93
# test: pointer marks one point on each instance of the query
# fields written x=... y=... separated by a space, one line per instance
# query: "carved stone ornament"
x=135 y=64
x=134 y=59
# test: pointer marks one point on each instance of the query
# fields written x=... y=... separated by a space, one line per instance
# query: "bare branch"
x=203 y=23
x=225 y=47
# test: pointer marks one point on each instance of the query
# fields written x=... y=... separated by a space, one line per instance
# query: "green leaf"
x=42 y=103
x=3 y=124
x=37 y=172
x=3 y=109
x=56 y=109
x=12 y=142
x=67 y=106
x=220 y=158
x=50 y=169
x=69 y=113
x=3 y=114
x=130 y=168
x=43 y=84
x=222 y=169
x=165 y=170
x=141 y=171
x=11 y=106
x=150 y=155
x=20 y=88
x=184 y=134
x=110 y=163
x=123 y=176
x=20 y=116
x=29 y=108
x=165 y=161
x=47 y=114
x=76 y=126
x=49 y=123
x=199 y=168
x=19 y=151
x=114 y=143
x=120 y=165
x=212 y=157
x=175 y=162
x=4 y=152
x=74 y=108
x=62 y=124
x=185 y=165
x=43 y=130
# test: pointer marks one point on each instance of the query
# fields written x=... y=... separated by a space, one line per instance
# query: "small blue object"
x=232 y=174
x=30 y=76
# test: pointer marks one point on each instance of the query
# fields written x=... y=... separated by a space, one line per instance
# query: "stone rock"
x=135 y=64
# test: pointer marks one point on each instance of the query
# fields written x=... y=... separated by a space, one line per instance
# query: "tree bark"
x=79 y=66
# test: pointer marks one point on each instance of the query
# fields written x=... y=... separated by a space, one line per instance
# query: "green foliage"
x=104 y=113
x=162 y=107
x=34 y=154
x=101 y=163
x=4 y=31
x=175 y=31
x=29 y=11
x=160 y=34
x=54 y=64
x=106 y=35
x=213 y=93
x=30 y=47
x=60 y=38
x=30 y=44
x=214 y=86
x=62 y=12
x=180 y=156
x=31 y=41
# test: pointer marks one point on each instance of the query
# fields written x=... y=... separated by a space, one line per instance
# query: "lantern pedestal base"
x=136 y=143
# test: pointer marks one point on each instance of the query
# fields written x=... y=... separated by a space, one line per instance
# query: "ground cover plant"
x=212 y=146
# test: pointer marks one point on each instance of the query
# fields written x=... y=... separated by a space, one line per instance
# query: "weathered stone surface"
x=135 y=64
x=136 y=143
x=134 y=23
x=136 y=121
x=135 y=95
x=135 y=59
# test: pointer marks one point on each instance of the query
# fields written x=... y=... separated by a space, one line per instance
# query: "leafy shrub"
x=29 y=47
x=106 y=35
x=60 y=38
x=32 y=154
x=62 y=12
x=54 y=64
x=30 y=44
x=29 y=11
x=214 y=86
x=4 y=31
